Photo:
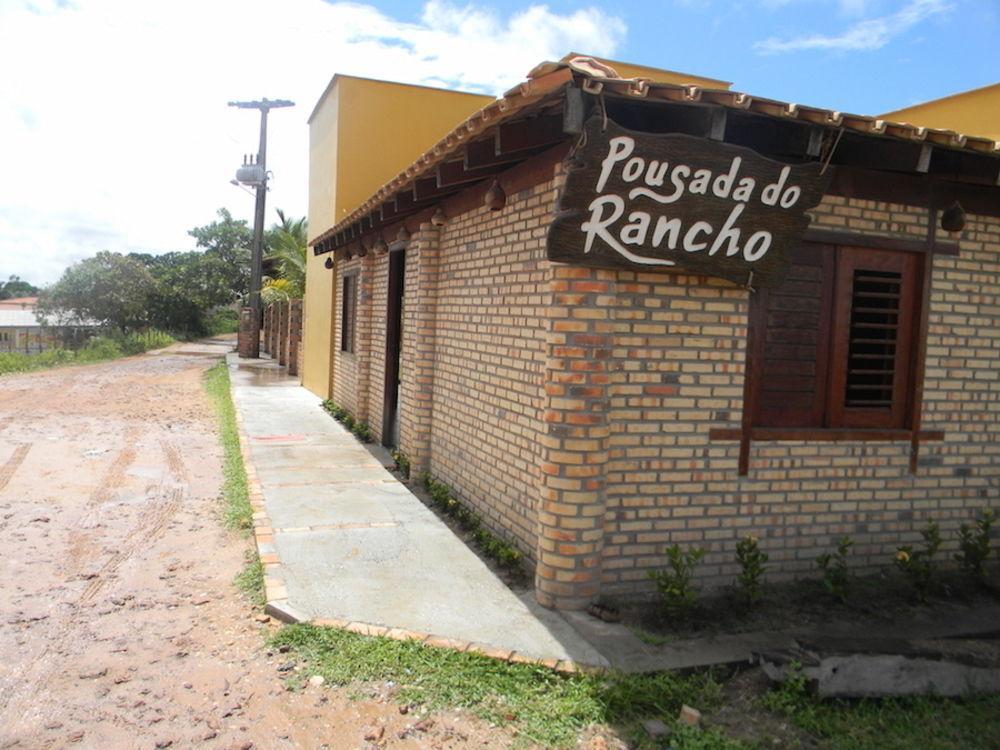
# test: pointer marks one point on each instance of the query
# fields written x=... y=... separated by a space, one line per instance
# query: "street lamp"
x=254 y=174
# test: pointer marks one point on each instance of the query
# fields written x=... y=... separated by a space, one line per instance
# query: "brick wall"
x=347 y=366
x=376 y=370
x=573 y=406
x=679 y=352
x=490 y=324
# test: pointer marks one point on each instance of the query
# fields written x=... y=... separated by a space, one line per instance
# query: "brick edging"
x=278 y=606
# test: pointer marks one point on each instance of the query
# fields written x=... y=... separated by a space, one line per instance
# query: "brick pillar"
x=363 y=334
x=282 y=351
x=265 y=343
x=417 y=365
x=244 y=339
x=294 y=335
x=575 y=448
x=272 y=344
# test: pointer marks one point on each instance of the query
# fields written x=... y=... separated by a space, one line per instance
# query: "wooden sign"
x=645 y=201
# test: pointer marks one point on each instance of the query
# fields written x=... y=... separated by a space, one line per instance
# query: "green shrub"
x=918 y=565
x=974 y=545
x=222 y=320
x=493 y=546
x=99 y=348
x=362 y=431
x=834 y=567
x=752 y=562
x=402 y=462
x=674 y=585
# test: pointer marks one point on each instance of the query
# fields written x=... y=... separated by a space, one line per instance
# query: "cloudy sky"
x=115 y=134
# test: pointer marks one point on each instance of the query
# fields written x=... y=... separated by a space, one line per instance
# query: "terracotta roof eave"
x=531 y=91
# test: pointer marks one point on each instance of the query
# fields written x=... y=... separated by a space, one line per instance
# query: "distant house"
x=22 y=331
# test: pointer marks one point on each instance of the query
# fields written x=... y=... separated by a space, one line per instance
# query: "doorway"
x=393 y=348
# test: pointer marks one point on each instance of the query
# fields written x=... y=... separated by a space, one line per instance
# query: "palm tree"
x=287 y=243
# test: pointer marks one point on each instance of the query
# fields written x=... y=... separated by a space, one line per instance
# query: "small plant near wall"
x=677 y=593
x=753 y=564
x=834 y=567
x=918 y=565
x=974 y=546
x=493 y=546
x=402 y=463
x=360 y=429
x=337 y=412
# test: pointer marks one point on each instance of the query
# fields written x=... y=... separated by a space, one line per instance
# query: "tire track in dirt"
x=152 y=525
x=146 y=531
x=13 y=463
x=174 y=461
x=114 y=477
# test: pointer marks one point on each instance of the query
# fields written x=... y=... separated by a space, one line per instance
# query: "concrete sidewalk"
x=343 y=541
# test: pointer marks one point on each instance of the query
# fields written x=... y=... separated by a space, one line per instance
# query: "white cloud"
x=869 y=34
x=116 y=133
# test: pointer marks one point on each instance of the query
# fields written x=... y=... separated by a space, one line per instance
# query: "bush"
x=96 y=349
x=974 y=546
x=752 y=562
x=402 y=463
x=674 y=583
x=918 y=565
x=222 y=320
x=362 y=431
x=834 y=567
x=496 y=548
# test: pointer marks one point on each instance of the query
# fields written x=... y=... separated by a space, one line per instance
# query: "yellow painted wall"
x=975 y=112
x=362 y=133
x=316 y=324
x=628 y=70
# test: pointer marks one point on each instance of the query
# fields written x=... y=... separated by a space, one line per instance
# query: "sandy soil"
x=119 y=623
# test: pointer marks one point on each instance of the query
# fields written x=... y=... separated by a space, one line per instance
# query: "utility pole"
x=258 y=178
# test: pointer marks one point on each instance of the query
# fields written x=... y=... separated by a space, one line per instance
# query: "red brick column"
x=265 y=343
x=417 y=366
x=294 y=335
x=575 y=449
x=273 y=340
x=244 y=339
x=282 y=348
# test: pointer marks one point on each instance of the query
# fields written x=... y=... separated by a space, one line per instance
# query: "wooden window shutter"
x=874 y=313
x=793 y=355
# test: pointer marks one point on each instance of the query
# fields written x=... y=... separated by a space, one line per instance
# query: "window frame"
x=912 y=433
x=348 y=312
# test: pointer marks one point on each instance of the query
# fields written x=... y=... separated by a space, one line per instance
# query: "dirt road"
x=119 y=623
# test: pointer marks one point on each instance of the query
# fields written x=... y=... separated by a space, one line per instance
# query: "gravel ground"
x=120 y=626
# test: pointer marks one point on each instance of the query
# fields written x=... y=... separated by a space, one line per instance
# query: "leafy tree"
x=110 y=288
x=15 y=286
x=227 y=243
x=188 y=284
x=287 y=245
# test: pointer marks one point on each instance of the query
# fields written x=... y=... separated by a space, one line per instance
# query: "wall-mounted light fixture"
x=953 y=218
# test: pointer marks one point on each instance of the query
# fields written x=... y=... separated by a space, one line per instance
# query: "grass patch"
x=250 y=580
x=97 y=349
x=927 y=723
x=544 y=707
x=237 y=512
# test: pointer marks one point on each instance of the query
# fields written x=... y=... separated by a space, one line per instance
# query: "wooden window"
x=348 y=313
x=835 y=341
